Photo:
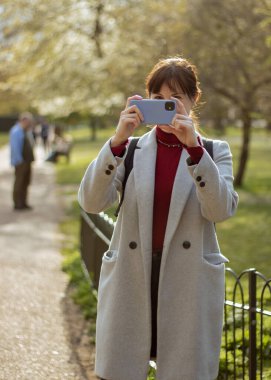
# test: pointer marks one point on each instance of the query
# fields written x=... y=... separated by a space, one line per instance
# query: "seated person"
x=60 y=146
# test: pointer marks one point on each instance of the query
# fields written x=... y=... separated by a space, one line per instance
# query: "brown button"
x=202 y=184
x=111 y=167
x=108 y=172
x=133 y=245
x=198 y=178
x=186 y=244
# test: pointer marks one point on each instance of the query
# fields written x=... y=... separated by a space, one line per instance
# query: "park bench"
x=65 y=149
x=61 y=147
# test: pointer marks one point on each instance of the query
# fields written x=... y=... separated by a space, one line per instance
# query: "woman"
x=161 y=289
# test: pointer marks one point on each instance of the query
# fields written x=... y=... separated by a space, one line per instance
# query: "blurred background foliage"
x=79 y=59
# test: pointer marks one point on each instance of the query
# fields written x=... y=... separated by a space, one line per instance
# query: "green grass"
x=4 y=138
x=245 y=239
x=82 y=292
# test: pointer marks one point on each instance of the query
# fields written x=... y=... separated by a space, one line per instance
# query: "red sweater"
x=167 y=161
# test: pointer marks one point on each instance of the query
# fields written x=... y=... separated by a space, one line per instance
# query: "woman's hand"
x=130 y=118
x=182 y=126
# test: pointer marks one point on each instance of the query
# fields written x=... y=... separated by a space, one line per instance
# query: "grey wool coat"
x=191 y=288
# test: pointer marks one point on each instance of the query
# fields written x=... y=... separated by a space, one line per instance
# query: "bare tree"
x=229 y=42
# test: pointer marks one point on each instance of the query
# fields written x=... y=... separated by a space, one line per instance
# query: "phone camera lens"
x=170 y=106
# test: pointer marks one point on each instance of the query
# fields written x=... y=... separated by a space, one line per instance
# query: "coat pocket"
x=215 y=258
x=110 y=256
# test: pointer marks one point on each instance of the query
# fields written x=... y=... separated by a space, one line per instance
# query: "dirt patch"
x=77 y=332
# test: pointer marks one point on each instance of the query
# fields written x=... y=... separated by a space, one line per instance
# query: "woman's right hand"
x=130 y=118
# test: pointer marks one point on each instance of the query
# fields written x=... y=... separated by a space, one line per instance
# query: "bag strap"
x=208 y=145
x=128 y=165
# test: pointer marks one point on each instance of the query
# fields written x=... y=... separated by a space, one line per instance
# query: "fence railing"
x=247 y=327
x=246 y=341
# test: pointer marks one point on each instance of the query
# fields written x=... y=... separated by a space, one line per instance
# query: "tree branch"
x=224 y=92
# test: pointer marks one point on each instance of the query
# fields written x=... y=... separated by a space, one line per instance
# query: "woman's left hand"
x=182 y=126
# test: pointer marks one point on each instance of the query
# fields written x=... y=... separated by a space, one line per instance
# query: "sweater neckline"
x=167 y=138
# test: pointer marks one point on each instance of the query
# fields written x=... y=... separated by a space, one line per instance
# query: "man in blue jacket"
x=21 y=148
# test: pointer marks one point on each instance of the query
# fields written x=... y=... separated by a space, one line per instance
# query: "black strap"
x=208 y=145
x=129 y=163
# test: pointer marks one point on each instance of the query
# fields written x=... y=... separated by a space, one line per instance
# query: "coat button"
x=110 y=167
x=132 y=245
x=202 y=184
x=186 y=244
x=198 y=178
x=108 y=172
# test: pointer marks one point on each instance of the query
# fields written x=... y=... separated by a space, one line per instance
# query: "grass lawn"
x=245 y=239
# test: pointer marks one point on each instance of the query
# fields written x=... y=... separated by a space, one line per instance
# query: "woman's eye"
x=158 y=97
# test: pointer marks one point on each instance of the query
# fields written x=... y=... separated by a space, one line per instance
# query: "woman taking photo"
x=161 y=290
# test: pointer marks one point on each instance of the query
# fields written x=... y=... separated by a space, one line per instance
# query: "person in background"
x=44 y=133
x=60 y=145
x=22 y=156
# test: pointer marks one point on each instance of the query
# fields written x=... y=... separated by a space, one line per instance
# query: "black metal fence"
x=246 y=341
x=247 y=327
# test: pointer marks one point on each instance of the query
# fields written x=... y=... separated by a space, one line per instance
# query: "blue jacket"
x=17 y=136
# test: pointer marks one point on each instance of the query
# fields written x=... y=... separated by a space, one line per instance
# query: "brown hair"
x=176 y=73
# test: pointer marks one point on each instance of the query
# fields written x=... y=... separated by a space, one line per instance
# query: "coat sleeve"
x=214 y=183
x=102 y=181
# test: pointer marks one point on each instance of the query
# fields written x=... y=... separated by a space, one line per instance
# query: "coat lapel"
x=182 y=186
x=144 y=172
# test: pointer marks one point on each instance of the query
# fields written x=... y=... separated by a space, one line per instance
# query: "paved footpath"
x=34 y=342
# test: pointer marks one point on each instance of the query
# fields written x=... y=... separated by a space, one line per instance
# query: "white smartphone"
x=156 y=111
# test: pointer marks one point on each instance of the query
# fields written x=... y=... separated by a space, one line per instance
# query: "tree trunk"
x=268 y=126
x=98 y=29
x=244 y=149
x=219 y=126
